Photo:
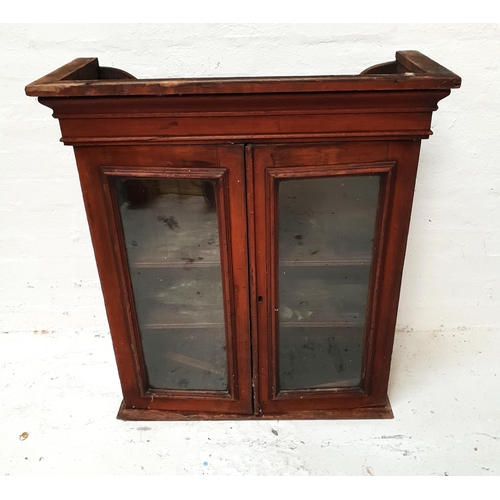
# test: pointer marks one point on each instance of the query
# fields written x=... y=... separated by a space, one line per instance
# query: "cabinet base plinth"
x=372 y=412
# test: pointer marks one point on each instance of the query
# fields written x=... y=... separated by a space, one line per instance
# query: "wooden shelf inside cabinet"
x=249 y=232
x=361 y=261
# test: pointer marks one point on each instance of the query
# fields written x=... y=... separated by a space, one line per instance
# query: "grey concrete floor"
x=62 y=391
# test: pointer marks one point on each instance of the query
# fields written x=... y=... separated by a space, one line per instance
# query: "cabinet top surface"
x=84 y=77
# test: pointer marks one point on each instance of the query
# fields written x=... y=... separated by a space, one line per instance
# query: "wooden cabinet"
x=249 y=233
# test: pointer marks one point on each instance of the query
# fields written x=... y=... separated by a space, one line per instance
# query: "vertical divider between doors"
x=249 y=167
x=237 y=287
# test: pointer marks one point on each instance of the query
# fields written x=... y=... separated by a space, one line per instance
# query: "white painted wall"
x=452 y=274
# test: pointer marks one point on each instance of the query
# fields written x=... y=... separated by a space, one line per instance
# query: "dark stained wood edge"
x=88 y=162
x=417 y=62
x=241 y=118
x=412 y=63
x=377 y=270
x=405 y=154
x=87 y=66
x=123 y=275
x=235 y=274
x=232 y=138
x=365 y=413
x=75 y=79
x=261 y=156
x=241 y=86
x=252 y=276
x=234 y=105
x=225 y=239
x=335 y=170
x=273 y=278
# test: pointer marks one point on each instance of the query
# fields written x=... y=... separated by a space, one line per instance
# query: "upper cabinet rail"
x=411 y=70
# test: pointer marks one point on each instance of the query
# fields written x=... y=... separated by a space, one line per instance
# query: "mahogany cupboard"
x=249 y=232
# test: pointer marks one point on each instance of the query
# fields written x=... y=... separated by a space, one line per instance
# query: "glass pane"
x=326 y=231
x=172 y=240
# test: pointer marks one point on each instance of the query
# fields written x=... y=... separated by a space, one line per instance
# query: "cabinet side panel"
x=89 y=161
x=405 y=155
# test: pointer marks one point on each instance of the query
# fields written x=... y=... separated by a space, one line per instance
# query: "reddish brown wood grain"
x=224 y=164
x=81 y=78
x=259 y=117
x=313 y=162
x=247 y=134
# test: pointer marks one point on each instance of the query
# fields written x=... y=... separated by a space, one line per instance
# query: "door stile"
x=238 y=285
x=261 y=295
x=376 y=274
x=252 y=277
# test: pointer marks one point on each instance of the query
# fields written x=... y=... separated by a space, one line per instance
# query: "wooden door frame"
x=225 y=164
x=396 y=162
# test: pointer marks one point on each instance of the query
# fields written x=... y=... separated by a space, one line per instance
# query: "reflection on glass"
x=171 y=236
x=326 y=231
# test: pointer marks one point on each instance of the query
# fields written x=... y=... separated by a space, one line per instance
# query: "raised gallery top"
x=410 y=70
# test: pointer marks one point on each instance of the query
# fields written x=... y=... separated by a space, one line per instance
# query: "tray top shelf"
x=83 y=77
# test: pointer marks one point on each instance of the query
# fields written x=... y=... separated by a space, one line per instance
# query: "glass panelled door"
x=326 y=232
x=324 y=208
x=171 y=234
x=181 y=227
